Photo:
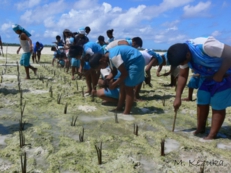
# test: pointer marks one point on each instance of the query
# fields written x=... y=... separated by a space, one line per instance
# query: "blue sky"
x=160 y=23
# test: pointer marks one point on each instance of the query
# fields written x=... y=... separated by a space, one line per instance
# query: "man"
x=210 y=59
x=38 y=47
x=26 y=45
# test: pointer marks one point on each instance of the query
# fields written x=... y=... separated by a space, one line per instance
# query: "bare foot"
x=27 y=78
x=187 y=99
x=88 y=91
x=209 y=138
x=200 y=131
x=35 y=71
x=73 y=78
x=138 y=99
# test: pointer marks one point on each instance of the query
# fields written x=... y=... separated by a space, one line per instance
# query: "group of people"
x=124 y=65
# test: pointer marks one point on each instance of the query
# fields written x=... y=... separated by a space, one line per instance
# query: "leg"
x=38 y=54
x=137 y=91
x=73 y=73
x=88 y=81
x=190 y=93
x=33 y=57
x=100 y=93
x=27 y=73
x=129 y=99
x=218 y=118
x=121 y=97
x=202 y=115
x=34 y=69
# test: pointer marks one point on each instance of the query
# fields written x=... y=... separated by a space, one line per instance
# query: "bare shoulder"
x=23 y=36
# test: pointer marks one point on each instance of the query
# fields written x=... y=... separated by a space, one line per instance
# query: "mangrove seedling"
x=163 y=100
x=77 y=86
x=51 y=91
x=21 y=125
x=202 y=168
x=59 y=98
x=143 y=85
x=65 y=109
x=82 y=91
x=20 y=96
x=1 y=79
x=162 y=147
x=47 y=83
x=116 y=117
x=73 y=121
x=21 y=139
x=23 y=108
x=81 y=136
x=174 y=121
x=23 y=162
x=136 y=128
x=99 y=153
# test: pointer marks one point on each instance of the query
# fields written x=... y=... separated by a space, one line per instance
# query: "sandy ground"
x=13 y=50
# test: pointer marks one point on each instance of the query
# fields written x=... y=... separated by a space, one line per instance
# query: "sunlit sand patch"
x=4 y=165
x=90 y=119
x=224 y=146
x=37 y=91
x=9 y=76
x=171 y=145
x=86 y=108
x=3 y=138
x=125 y=117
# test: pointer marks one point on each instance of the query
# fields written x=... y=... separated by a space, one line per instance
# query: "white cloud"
x=6 y=26
x=171 y=24
x=40 y=13
x=27 y=4
x=216 y=33
x=197 y=11
x=85 y=4
x=50 y=34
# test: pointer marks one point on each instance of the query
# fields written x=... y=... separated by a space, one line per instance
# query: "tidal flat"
x=52 y=138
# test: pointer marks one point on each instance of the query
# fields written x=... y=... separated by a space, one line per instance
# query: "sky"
x=160 y=23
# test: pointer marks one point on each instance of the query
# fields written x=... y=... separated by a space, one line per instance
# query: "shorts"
x=25 y=59
x=135 y=72
x=86 y=66
x=75 y=62
x=112 y=93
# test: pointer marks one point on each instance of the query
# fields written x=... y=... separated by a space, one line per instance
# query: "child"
x=211 y=59
x=76 y=53
x=68 y=41
x=135 y=42
x=110 y=35
x=59 y=41
x=105 y=93
x=151 y=59
x=130 y=62
x=38 y=47
x=174 y=71
x=26 y=45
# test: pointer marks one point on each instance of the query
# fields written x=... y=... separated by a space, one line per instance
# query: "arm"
x=1 y=43
x=123 y=75
x=182 y=79
x=159 y=70
x=123 y=42
x=149 y=67
x=226 y=64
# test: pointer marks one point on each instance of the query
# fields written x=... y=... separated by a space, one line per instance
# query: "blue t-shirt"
x=92 y=48
x=38 y=48
x=123 y=54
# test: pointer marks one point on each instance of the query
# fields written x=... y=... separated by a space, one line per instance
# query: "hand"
x=217 y=78
x=112 y=86
x=147 y=80
x=18 y=51
x=93 y=92
x=166 y=74
x=177 y=104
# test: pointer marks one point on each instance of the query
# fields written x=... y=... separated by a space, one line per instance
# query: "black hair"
x=101 y=38
x=37 y=42
x=75 y=50
x=138 y=41
x=176 y=54
x=94 y=60
x=87 y=28
x=58 y=37
x=66 y=31
x=110 y=31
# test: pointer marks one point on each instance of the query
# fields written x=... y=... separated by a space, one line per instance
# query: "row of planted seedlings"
x=73 y=121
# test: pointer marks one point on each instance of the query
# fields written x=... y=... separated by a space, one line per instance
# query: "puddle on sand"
x=224 y=146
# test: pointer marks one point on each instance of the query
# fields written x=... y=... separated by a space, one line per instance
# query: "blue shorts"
x=75 y=62
x=25 y=59
x=61 y=62
x=194 y=82
x=86 y=66
x=219 y=101
x=112 y=93
x=135 y=72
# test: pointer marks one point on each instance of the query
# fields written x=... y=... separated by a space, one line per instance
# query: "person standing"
x=26 y=45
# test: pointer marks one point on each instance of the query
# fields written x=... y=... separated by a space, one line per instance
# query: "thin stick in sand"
x=174 y=121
